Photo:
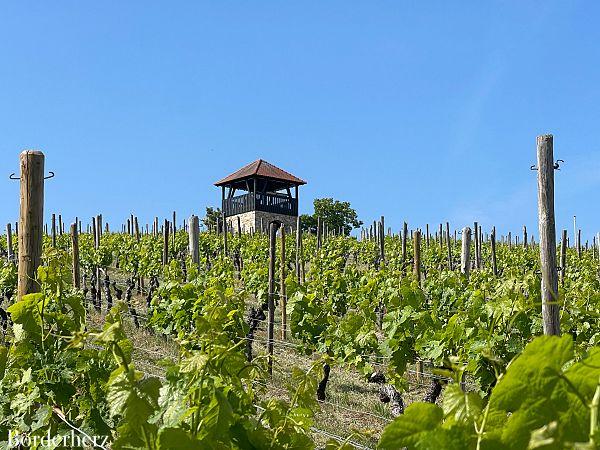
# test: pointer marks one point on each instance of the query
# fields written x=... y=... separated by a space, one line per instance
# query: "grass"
x=352 y=409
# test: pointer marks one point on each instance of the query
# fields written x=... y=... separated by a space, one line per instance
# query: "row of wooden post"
x=31 y=229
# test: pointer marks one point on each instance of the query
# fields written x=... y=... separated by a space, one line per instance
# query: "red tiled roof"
x=263 y=169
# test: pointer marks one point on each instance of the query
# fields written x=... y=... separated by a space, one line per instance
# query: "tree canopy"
x=335 y=214
x=210 y=220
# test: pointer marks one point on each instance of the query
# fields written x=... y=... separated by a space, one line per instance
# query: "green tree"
x=212 y=214
x=334 y=213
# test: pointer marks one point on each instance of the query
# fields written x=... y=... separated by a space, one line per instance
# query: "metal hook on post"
x=13 y=176
x=556 y=165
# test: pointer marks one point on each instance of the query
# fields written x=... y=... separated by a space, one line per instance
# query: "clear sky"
x=422 y=111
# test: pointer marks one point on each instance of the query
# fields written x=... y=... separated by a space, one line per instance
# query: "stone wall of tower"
x=253 y=220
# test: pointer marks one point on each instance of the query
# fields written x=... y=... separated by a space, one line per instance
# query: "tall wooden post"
x=563 y=257
x=225 y=236
x=273 y=227
x=465 y=255
x=239 y=226
x=136 y=229
x=477 y=243
x=223 y=221
x=525 y=236
x=493 y=245
x=382 y=240
x=98 y=269
x=298 y=248
x=449 y=246
x=194 y=239
x=60 y=225
x=75 y=254
x=319 y=237
x=138 y=237
x=417 y=254
x=31 y=220
x=579 y=243
x=404 y=238
x=9 y=243
x=165 y=257
x=547 y=230
x=53 y=230
x=282 y=290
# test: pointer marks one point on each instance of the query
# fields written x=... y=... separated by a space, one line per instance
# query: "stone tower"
x=257 y=194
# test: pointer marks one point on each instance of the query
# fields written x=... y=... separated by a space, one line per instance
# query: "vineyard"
x=165 y=337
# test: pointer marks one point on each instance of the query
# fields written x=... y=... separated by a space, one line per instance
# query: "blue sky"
x=421 y=111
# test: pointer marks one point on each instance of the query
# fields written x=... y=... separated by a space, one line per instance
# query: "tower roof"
x=261 y=168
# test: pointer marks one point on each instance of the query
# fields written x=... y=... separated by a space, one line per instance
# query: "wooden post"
x=273 y=227
x=136 y=229
x=563 y=257
x=480 y=246
x=60 y=225
x=465 y=255
x=579 y=243
x=476 y=232
x=225 y=231
x=298 y=248
x=9 y=243
x=194 y=239
x=53 y=230
x=165 y=258
x=75 y=254
x=449 y=246
x=282 y=290
x=382 y=240
x=417 y=254
x=31 y=220
x=404 y=238
x=95 y=235
x=319 y=238
x=239 y=226
x=547 y=230
x=493 y=245
x=524 y=236
x=174 y=227
x=441 y=237
x=98 y=271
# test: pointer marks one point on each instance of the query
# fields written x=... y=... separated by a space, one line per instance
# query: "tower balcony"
x=267 y=202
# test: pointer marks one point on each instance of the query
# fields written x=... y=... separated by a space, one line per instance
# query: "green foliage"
x=546 y=399
x=352 y=308
x=213 y=215
x=335 y=214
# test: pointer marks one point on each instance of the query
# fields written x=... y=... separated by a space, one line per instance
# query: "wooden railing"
x=273 y=203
